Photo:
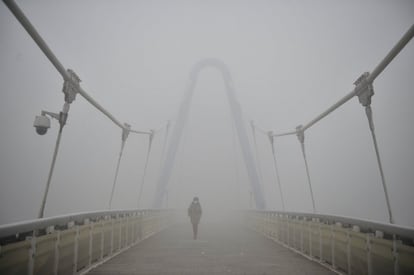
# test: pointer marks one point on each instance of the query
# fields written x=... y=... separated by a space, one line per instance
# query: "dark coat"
x=194 y=212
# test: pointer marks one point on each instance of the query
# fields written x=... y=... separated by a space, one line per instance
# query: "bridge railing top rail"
x=364 y=225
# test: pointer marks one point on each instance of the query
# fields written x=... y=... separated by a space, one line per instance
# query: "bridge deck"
x=221 y=249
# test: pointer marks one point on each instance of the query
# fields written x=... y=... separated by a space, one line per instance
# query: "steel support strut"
x=125 y=133
x=365 y=91
x=70 y=90
x=271 y=139
x=301 y=136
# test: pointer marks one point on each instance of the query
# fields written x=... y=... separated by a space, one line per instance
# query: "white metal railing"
x=74 y=244
x=346 y=245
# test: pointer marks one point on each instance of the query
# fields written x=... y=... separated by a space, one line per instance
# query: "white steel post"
x=348 y=251
x=395 y=255
x=57 y=244
x=32 y=255
x=75 y=252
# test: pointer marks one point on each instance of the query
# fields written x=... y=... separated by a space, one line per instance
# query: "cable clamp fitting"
x=364 y=89
x=125 y=131
x=270 y=136
x=300 y=134
x=71 y=86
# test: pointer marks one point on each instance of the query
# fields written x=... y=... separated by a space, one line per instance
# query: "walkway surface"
x=220 y=249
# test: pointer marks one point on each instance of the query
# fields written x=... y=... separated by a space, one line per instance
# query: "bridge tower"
x=177 y=131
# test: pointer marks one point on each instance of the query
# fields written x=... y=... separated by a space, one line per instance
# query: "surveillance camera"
x=42 y=124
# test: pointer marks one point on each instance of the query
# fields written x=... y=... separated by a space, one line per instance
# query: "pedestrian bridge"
x=248 y=242
x=252 y=241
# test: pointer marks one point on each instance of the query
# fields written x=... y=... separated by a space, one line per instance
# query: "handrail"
x=342 y=244
x=12 y=229
x=363 y=224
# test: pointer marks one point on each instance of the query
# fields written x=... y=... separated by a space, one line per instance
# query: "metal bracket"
x=364 y=89
x=61 y=116
x=300 y=134
x=270 y=136
x=125 y=131
x=71 y=86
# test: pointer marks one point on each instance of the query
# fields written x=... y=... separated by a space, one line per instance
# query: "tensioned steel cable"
x=116 y=174
x=42 y=207
x=236 y=164
x=301 y=137
x=259 y=166
x=271 y=139
x=368 y=112
x=145 y=169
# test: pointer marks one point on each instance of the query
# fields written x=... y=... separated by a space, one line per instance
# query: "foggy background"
x=289 y=60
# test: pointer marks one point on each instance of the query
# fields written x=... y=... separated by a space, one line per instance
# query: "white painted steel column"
x=56 y=259
x=75 y=252
x=32 y=255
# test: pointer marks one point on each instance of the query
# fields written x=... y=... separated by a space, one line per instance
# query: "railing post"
x=333 y=246
x=120 y=233
x=301 y=233
x=320 y=242
x=102 y=242
x=90 y=244
x=348 y=251
x=395 y=255
x=127 y=231
x=32 y=254
x=369 y=258
x=57 y=244
x=112 y=237
x=288 y=233
x=310 y=237
x=75 y=252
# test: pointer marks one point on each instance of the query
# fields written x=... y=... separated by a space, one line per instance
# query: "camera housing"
x=42 y=124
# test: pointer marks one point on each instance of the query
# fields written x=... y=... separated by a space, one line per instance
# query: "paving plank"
x=220 y=249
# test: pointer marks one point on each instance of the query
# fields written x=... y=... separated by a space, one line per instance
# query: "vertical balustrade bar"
x=395 y=255
x=287 y=230
x=102 y=242
x=310 y=238
x=120 y=233
x=320 y=242
x=112 y=237
x=32 y=254
x=75 y=252
x=333 y=246
x=56 y=263
x=127 y=231
x=301 y=222
x=91 y=227
x=348 y=251
x=369 y=256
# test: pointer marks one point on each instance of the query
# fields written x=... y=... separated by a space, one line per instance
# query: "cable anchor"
x=71 y=86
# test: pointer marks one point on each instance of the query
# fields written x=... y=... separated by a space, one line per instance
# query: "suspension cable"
x=259 y=166
x=164 y=145
x=125 y=134
x=301 y=137
x=145 y=168
x=236 y=164
x=366 y=91
x=271 y=139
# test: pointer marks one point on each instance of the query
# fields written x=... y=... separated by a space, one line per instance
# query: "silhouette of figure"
x=194 y=212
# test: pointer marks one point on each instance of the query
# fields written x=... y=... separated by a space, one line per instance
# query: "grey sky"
x=289 y=60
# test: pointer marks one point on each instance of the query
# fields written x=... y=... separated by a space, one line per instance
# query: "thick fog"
x=289 y=61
